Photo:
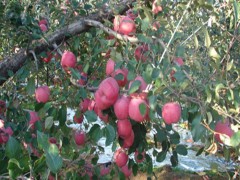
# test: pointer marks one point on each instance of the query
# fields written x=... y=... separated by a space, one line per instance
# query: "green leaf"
x=161 y=156
x=110 y=134
x=236 y=9
x=62 y=115
x=134 y=86
x=235 y=139
x=161 y=135
x=48 y=122
x=96 y=132
x=42 y=140
x=53 y=159
x=14 y=168
x=31 y=86
x=144 y=38
x=217 y=89
x=207 y=41
x=181 y=149
x=75 y=74
x=86 y=67
x=13 y=148
x=197 y=128
x=143 y=109
x=200 y=151
x=213 y=54
x=91 y=116
x=180 y=51
x=196 y=41
x=175 y=138
x=155 y=73
x=174 y=159
x=230 y=65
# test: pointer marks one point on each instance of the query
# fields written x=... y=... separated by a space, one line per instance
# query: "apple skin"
x=143 y=85
x=126 y=171
x=156 y=8
x=84 y=105
x=124 y=72
x=110 y=67
x=43 y=27
x=136 y=156
x=124 y=25
x=171 y=112
x=2 y=106
x=104 y=171
x=4 y=134
x=140 y=53
x=2 y=123
x=43 y=21
x=124 y=128
x=33 y=119
x=68 y=60
x=120 y=157
x=48 y=58
x=79 y=138
x=128 y=142
x=78 y=118
x=134 y=111
x=223 y=128
x=121 y=107
x=107 y=93
x=42 y=94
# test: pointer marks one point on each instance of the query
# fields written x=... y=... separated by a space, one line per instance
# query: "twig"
x=35 y=58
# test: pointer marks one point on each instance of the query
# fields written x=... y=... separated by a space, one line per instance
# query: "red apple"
x=42 y=94
x=139 y=157
x=83 y=80
x=33 y=119
x=122 y=81
x=2 y=106
x=143 y=85
x=121 y=107
x=128 y=142
x=124 y=128
x=134 y=109
x=78 y=118
x=126 y=171
x=43 y=21
x=110 y=67
x=141 y=53
x=156 y=8
x=101 y=115
x=223 y=128
x=107 y=93
x=171 y=112
x=68 y=60
x=79 y=138
x=52 y=140
x=179 y=61
x=84 y=105
x=104 y=171
x=43 y=27
x=1 y=123
x=48 y=58
x=124 y=25
x=120 y=157
x=4 y=134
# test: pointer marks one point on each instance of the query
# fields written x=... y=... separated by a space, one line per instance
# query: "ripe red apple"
x=42 y=94
x=43 y=27
x=128 y=142
x=143 y=85
x=139 y=157
x=126 y=171
x=121 y=107
x=107 y=93
x=171 y=112
x=101 y=115
x=124 y=128
x=124 y=25
x=156 y=8
x=78 y=118
x=4 y=134
x=33 y=119
x=2 y=106
x=134 y=109
x=123 y=81
x=79 y=138
x=141 y=53
x=104 y=171
x=52 y=140
x=84 y=105
x=43 y=21
x=110 y=67
x=1 y=123
x=48 y=58
x=68 y=60
x=120 y=157
x=223 y=128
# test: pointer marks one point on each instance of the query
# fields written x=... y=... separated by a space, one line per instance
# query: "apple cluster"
x=5 y=133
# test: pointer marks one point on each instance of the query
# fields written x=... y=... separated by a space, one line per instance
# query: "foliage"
x=205 y=34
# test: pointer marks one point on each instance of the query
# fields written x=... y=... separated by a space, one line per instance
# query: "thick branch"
x=15 y=62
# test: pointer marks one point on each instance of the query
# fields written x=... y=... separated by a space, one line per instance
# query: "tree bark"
x=15 y=62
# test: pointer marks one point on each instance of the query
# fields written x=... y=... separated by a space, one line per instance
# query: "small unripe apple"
x=121 y=107
x=128 y=142
x=2 y=106
x=42 y=94
x=79 y=138
x=124 y=25
x=223 y=128
x=126 y=171
x=107 y=93
x=141 y=53
x=68 y=60
x=171 y=112
x=156 y=8
x=139 y=157
x=124 y=128
x=84 y=105
x=110 y=67
x=134 y=109
x=120 y=157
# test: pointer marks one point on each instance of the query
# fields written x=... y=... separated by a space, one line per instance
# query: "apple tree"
x=130 y=70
